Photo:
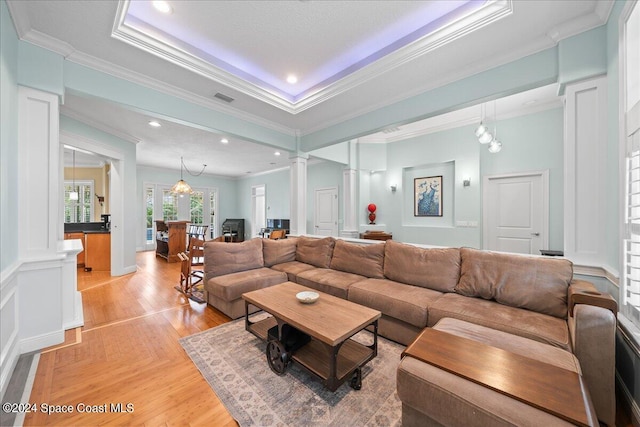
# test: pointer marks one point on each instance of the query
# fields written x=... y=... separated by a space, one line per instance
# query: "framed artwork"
x=427 y=199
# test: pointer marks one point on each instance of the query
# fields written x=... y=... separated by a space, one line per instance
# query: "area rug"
x=234 y=364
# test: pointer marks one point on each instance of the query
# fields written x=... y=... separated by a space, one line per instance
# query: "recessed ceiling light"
x=224 y=140
x=292 y=79
x=530 y=102
x=154 y=124
x=277 y=153
x=163 y=6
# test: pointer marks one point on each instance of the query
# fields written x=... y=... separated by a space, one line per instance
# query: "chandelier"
x=181 y=187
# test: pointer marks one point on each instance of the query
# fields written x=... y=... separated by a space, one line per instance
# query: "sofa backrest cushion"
x=535 y=283
x=222 y=258
x=365 y=260
x=316 y=252
x=278 y=251
x=437 y=269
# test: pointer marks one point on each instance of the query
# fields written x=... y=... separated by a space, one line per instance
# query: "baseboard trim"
x=41 y=341
x=629 y=401
x=28 y=386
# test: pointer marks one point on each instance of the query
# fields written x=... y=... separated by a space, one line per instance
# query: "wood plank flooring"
x=128 y=353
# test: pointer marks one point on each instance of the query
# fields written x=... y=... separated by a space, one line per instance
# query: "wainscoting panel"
x=9 y=346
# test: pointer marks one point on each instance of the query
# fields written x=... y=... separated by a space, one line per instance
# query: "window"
x=160 y=203
x=212 y=211
x=169 y=206
x=196 y=207
x=80 y=210
x=149 y=213
x=630 y=97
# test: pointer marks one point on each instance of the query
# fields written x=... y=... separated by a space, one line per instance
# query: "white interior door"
x=326 y=216
x=516 y=212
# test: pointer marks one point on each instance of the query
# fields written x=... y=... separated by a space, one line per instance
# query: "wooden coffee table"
x=330 y=322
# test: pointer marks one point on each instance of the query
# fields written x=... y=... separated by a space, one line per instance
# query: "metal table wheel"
x=277 y=356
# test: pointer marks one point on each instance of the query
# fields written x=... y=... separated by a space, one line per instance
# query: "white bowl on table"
x=307 y=297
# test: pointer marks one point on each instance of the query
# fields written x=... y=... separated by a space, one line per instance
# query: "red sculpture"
x=372 y=216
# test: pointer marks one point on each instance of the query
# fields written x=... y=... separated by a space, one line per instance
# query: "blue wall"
x=8 y=140
x=277 y=196
x=532 y=142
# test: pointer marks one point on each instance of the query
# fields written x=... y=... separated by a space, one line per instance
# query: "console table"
x=171 y=239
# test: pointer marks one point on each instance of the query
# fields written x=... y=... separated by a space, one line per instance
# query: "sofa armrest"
x=583 y=292
x=592 y=329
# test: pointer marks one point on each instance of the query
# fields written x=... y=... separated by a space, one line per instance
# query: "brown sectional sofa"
x=415 y=288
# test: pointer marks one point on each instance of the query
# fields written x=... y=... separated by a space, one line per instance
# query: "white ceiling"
x=275 y=38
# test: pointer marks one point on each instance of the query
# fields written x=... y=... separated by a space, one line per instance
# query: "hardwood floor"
x=128 y=353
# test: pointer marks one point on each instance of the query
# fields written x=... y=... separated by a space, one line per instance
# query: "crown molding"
x=477 y=67
x=168 y=89
x=66 y=111
x=19 y=16
x=492 y=11
x=589 y=21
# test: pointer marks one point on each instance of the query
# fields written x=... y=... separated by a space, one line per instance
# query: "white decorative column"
x=39 y=191
x=585 y=154
x=349 y=181
x=298 y=199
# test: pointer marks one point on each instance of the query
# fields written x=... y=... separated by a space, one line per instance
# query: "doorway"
x=515 y=212
x=115 y=160
x=258 y=209
x=326 y=212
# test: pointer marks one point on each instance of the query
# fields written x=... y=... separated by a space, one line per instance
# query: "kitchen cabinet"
x=80 y=236
x=97 y=248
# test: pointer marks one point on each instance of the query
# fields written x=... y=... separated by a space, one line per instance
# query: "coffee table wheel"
x=277 y=357
x=356 y=381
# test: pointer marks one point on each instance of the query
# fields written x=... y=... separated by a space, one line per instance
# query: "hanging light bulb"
x=495 y=146
x=485 y=138
x=73 y=195
x=481 y=130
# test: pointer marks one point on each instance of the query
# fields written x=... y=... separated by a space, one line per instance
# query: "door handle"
x=535 y=234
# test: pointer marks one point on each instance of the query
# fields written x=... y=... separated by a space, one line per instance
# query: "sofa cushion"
x=316 y=252
x=293 y=268
x=437 y=269
x=222 y=258
x=535 y=283
x=525 y=323
x=278 y=251
x=231 y=286
x=398 y=300
x=365 y=260
x=329 y=281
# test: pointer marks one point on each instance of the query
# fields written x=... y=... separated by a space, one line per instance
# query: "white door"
x=326 y=217
x=258 y=210
x=516 y=212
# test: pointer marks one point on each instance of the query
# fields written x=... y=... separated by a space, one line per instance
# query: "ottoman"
x=434 y=396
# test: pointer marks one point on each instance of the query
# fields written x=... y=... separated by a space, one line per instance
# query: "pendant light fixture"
x=484 y=135
x=181 y=187
x=73 y=194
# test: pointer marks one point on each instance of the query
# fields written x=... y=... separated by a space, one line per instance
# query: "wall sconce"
x=100 y=199
x=466 y=182
x=394 y=187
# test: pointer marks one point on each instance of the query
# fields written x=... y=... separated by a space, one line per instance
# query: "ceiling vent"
x=390 y=130
x=223 y=97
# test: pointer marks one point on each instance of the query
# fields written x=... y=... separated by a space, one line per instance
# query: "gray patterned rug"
x=234 y=364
